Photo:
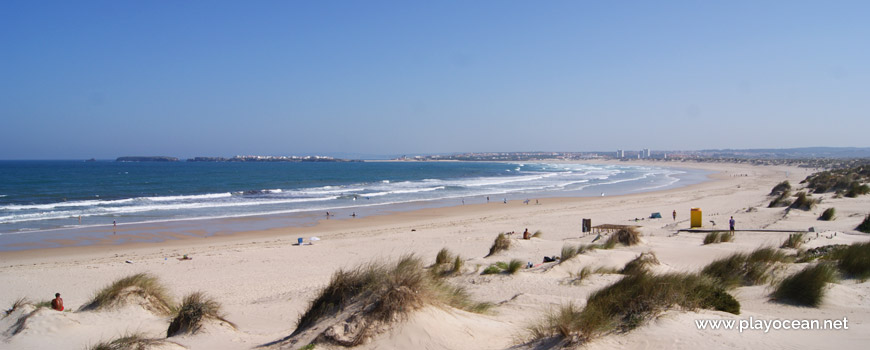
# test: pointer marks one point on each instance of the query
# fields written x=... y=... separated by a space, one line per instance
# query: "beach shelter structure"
x=655 y=216
x=695 y=218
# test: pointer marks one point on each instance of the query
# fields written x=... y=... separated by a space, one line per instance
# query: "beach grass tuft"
x=538 y=234
x=510 y=267
x=712 y=237
x=631 y=301
x=135 y=341
x=806 y=287
x=17 y=304
x=828 y=215
x=384 y=292
x=742 y=269
x=640 y=263
x=794 y=241
x=726 y=236
x=782 y=200
x=501 y=243
x=854 y=260
x=568 y=252
x=865 y=225
x=803 y=202
x=857 y=189
x=443 y=257
x=780 y=188
x=141 y=285
x=628 y=236
x=195 y=308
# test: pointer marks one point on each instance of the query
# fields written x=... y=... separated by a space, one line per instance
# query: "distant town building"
x=646 y=153
x=620 y=153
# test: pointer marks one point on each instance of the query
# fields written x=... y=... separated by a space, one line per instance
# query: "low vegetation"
x=827 y=253
x=501 y=243
x=195 y=309
x=628 y=236
x=782 y=200
x=806 y=287
x=794 y=241
x=381 y=293
x=854 y=260
x=803 y=201
x=629 y=302
x=141 y=285
x=780 y=188
x=828 y=215
x=510 y=268
x=17 y=304
x=742 y=269
x=840 y=180
x=718 y=237
x=447 y=264
x=538 y=234
x=136 y=341
x=640 y=264
x=865 y=225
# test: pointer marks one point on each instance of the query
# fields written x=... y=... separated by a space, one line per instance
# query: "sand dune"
x=265 y=282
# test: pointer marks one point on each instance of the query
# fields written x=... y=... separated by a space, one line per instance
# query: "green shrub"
x=854 y=261
x=856 y=190
x=807 y=287
x=794 y=241
x=828 y=214
x=501 y=243
x=491 y=270
x=627 y=236
x=514 y=266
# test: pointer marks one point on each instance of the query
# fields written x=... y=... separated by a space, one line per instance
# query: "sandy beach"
x=265 y=282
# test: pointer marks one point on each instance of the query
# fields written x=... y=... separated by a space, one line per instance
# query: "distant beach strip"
x=78 y=196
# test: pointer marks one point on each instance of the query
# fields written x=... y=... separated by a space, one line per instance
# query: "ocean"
x=43 y=196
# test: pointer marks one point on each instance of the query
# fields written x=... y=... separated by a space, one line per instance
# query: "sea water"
x=37 y=196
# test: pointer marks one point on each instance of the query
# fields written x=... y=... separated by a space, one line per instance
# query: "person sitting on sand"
x=527 y=235
x=57 y=302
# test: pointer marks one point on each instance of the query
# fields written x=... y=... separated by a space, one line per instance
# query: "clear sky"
x=81 y=79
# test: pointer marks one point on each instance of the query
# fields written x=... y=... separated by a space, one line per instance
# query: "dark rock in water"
x=91 y=160
x=147 y=159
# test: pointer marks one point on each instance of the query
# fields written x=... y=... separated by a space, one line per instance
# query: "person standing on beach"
x=731 y=224
x=57 y=302
x=675 y=215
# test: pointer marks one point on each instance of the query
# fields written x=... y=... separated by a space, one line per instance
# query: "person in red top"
x=57 y=302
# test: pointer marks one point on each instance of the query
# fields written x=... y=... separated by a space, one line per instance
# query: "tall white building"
x=646 y=153
x=620 y=153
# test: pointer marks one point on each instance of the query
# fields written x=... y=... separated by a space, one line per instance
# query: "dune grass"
x=794 y=241
x=501 y=243
x=195 y=308
x=17 y=304
x=510 y=267
x=580 y=275
x=713 y=237
x=803 y=202
x=443 y=256
x=141 y=284
x=854 y=260
x=782 y=200
x=631 y=301
x=742 y=269
x=865 y=225
x=828 y=215
x=135 y=341
x=640 y=264
x=627 y=236
x=780 y=188
x=538 y=234
x=857 y=189
x=806 y=287
x=568 y=252
x=388 y=291
x=726 y=236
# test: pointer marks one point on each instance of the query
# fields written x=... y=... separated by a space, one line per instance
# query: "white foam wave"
x=49 y=206
x=189 y=197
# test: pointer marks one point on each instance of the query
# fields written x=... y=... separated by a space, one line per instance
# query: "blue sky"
x=81 y=79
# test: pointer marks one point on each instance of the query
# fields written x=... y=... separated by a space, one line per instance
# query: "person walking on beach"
x=731 y=224
x=675 y=215
x=57 y=302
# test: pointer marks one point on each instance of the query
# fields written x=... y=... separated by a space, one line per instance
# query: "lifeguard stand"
x=696 y=220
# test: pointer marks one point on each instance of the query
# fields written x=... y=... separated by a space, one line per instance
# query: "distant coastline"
x=235 y=159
